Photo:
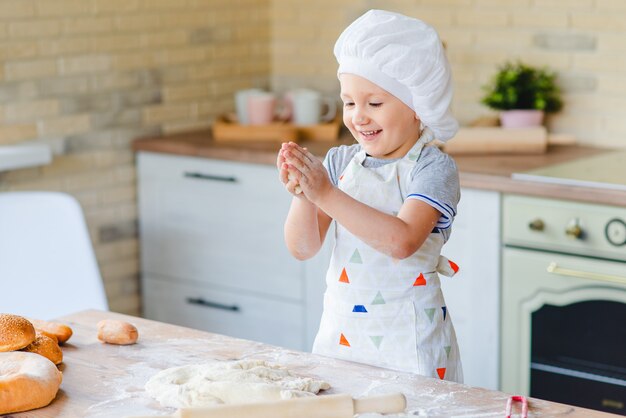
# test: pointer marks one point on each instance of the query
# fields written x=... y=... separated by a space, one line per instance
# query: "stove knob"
x=574 y=230
x=615 y=232
x=536 y=225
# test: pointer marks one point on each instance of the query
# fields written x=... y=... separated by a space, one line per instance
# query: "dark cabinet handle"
x=209 y=304
x=202 y=176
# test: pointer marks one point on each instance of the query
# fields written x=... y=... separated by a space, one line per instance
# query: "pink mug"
x=261 y=108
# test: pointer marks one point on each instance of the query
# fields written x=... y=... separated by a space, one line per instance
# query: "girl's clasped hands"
x=302 y=173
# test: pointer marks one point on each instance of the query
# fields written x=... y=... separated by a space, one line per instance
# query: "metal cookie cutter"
x=509 y=405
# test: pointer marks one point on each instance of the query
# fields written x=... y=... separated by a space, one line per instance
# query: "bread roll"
x=27 y=381
x=117 y=332
x=15 y=332
x=47 y=334
x=45 y=346
x=61 y=331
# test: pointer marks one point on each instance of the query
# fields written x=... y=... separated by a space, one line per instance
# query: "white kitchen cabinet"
x=473 y=294
x=271 y=320
x=213 y=255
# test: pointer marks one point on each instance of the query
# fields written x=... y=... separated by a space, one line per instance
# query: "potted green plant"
x=522 y=94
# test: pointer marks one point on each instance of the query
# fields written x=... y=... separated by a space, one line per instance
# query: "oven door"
x=564 y=328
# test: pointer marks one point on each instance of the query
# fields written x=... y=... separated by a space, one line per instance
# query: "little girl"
x=392 y=198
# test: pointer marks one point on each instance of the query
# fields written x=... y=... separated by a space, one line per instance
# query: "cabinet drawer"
x=216 y=222
x=235 y=314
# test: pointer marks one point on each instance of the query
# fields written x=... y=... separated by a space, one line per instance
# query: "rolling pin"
x=326 y=406
x=496 y=140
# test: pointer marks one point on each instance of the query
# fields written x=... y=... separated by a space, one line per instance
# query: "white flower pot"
x=521 y=118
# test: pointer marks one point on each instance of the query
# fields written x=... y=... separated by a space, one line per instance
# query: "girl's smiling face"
x=383 y=125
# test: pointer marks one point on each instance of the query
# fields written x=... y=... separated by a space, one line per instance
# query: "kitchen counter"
x=488 y=172
x=101 y=380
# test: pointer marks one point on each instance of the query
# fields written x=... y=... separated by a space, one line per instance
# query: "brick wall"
x=89 y=76
x=584 y=41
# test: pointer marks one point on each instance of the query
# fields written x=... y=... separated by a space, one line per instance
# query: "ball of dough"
x=45 y=346
x=233 y=382
x=117 y=332
x=27 y=381
x=15 y=332
x=62 y=332
x=290 y=177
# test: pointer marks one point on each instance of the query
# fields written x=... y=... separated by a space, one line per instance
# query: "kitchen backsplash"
x=89 y=76
x=584 y=42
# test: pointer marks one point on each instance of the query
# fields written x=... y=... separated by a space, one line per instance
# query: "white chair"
x=47 y=263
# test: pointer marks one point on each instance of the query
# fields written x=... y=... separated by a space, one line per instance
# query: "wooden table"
x=101 y=380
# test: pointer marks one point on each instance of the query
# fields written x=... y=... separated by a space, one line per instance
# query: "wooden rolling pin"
x=326 y=406
x=496 y=140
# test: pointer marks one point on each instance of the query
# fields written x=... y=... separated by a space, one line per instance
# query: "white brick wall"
x=584 y=41
x=92 y=75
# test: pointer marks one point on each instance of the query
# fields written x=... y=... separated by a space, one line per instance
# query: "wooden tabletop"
x=487 y=172
x=101 y=380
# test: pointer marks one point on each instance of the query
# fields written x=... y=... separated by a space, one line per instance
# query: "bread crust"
x=27 y=381
x=16 y=332
x=45 y=346
x=117 y=332
x=47 y=334
x=61 y=331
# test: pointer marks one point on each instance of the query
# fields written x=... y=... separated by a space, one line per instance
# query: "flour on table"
x=242 y=381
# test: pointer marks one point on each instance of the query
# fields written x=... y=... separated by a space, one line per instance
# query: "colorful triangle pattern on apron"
x=344 y=276
x=378 y=299
x=420 y=281
x=356 y=257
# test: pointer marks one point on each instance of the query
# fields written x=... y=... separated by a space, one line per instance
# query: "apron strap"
x=416 y=151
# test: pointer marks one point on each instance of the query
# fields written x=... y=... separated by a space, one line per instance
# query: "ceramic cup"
x=241 y=104
x=307 y=107
x=261 y=108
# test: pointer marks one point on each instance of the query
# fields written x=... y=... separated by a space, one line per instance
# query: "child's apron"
x=380 y=310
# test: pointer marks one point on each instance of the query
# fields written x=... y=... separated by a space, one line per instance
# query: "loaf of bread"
x=27 y=381
x=45 y=346
x=117 y=332
x=16 y=332
x=62 y=332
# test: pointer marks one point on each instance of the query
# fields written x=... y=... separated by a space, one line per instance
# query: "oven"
x=563 y=325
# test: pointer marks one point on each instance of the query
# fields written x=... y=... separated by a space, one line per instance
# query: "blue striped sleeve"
x=447 y=212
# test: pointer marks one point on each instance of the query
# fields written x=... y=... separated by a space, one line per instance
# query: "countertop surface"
x=487 y=172
x=102 y=380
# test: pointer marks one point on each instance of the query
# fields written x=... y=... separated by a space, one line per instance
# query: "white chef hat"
x=405 y=57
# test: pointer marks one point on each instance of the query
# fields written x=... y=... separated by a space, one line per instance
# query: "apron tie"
x=447 y=267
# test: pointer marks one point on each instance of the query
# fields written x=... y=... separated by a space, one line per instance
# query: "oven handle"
x=555 y=269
